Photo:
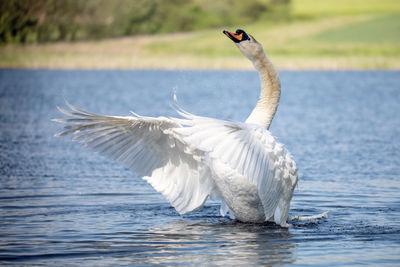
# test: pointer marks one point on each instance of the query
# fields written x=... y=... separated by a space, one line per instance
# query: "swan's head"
x=246 y=44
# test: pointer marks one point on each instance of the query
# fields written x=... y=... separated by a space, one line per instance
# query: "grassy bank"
x=359 y=41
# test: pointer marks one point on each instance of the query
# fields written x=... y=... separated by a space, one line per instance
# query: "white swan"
x=191 y=158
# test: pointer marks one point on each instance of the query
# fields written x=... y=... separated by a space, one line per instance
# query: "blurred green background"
x=297 y=34
x=28 y=21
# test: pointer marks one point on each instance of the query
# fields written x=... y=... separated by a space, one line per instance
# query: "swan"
x=191 y=158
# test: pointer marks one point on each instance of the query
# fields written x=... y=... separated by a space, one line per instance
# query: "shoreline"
x=199 y=69
x=319 y=44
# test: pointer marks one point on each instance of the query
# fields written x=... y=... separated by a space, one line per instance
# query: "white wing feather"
x=150 y=147
x=171 y=155
x=250 y=150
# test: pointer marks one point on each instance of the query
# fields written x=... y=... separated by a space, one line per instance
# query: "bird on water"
x=191 y=158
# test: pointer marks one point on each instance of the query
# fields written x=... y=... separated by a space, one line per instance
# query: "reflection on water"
x=61 y=204
x=225 y=243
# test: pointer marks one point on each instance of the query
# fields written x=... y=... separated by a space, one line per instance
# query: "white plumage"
x=191 y=158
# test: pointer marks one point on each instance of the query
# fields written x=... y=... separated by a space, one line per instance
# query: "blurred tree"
x=24 y=21
x=17 y=20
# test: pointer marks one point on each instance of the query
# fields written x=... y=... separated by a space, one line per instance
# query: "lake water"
x=62 y=204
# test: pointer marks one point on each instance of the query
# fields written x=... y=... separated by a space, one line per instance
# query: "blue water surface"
x=62 y=204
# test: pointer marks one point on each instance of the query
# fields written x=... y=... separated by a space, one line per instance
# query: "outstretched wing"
x=151 y=148
x=250 y=150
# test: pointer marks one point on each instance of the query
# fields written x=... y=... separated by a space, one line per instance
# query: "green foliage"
x=48 y=20
x=29 y=21
x=16 y=20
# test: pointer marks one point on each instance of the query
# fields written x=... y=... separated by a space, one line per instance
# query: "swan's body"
x=191 y=158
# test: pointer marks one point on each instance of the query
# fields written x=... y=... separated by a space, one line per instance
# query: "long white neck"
x=270 y=93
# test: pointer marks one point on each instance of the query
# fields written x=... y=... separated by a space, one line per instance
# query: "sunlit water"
x=62 y=204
